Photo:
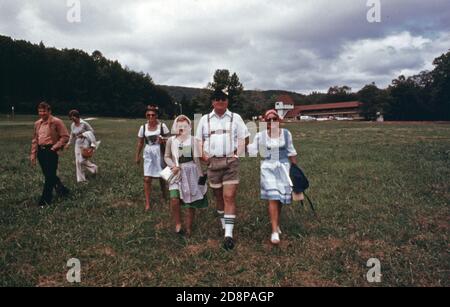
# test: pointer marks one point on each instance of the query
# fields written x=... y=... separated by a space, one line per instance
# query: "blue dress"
x=275 y=181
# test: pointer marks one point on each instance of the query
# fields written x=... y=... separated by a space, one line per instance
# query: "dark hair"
x=218 y=94
x=151 y=108
x=45 y=106
x=74 y=113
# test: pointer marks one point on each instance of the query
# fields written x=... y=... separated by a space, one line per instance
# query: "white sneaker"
x=275 y=239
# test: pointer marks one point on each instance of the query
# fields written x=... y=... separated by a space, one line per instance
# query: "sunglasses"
x=151 y=115
x=219 y=99
x=272 y=119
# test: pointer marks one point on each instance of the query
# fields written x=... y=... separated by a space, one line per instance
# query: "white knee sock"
x=229 y=225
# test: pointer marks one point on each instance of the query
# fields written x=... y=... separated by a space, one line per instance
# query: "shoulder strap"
x=231 y=132
x=209 y=125
x=145 y=130
x=311 y=205
x=263 y=144
x=209 y=133
x=286 y=138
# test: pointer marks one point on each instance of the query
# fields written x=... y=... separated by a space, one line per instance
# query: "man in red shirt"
x=50 y=136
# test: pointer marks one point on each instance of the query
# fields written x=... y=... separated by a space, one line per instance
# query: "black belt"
x=45 y=147
x=185 y=160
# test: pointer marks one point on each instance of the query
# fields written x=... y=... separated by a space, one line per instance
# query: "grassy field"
x=382 y=191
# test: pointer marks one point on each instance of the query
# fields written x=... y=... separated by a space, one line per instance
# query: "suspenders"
x=220 y=131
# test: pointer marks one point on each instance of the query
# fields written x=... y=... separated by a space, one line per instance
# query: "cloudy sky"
x=299 y=45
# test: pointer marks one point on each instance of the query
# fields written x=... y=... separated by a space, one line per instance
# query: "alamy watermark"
x=374 y=13
x=74 y=273
x=74 y=11
x=374 y=274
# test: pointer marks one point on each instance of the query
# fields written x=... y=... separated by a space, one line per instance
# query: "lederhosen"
x=222 y=169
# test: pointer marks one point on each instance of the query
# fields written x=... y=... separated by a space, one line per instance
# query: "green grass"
x=381 y=191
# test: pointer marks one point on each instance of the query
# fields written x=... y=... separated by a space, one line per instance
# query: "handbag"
x=299 y=180
x=300 y=185
x=202 y=180
x=87 y=153
x=169 y=176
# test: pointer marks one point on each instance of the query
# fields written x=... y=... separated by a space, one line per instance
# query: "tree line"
x=71 y=78
x=425 y=96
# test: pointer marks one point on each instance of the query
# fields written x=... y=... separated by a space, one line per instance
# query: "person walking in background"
x=276 y=147
x=151 y=138
x=221 y=137
x=82 y=136
x=50 y=136
x=179 y=156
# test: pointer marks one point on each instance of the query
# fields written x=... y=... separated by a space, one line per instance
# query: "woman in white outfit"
x=276 y=147
x=82 y=136
x=150 y=138
x=186 y=191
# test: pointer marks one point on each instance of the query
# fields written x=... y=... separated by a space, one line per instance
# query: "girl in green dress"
x=185 y=192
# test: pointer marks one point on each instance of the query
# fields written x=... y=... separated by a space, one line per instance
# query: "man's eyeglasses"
x=220 y=99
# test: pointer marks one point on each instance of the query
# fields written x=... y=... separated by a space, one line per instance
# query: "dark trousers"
x=48 y=160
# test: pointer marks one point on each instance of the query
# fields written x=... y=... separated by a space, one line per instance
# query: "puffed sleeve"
x=141 y=132
x=290 y=146
x=165 y=130
x=199 y=131
x=242 y=130
x=254 y=146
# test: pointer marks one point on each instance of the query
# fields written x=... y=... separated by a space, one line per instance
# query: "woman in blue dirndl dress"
x=276 y=147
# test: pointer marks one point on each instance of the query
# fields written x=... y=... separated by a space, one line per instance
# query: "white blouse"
x=149 y=133
x=278 y=142
x=77 y=131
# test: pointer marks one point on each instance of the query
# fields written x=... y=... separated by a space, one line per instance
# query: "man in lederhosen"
x=221 y=136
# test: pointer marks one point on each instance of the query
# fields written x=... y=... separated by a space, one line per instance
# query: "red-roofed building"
x=350 y=109
x=284 y=105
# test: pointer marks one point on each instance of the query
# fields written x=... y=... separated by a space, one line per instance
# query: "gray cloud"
x=293 y=45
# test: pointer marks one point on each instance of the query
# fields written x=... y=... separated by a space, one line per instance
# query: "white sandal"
x=275 y=239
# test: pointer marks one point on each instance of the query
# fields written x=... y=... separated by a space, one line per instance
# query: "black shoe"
x=180 y=232
x=42 y=204
x=228 y=243
x=62 y=191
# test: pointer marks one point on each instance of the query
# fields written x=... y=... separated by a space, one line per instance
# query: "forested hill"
x=181 y=92
x=71 y=78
